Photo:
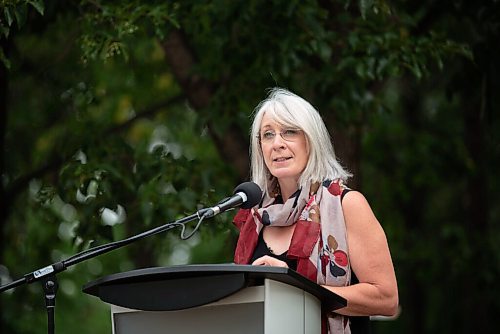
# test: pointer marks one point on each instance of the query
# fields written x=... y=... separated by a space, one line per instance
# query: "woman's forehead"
x=271 y=118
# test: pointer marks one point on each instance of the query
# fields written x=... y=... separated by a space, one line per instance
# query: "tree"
x=144 y=109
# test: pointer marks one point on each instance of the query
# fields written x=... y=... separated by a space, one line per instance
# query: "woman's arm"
x=377 y=291
x=267 y=260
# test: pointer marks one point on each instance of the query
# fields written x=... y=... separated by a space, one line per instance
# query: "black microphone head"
x=253 y=192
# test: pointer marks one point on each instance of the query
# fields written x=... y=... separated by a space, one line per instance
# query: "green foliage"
x=15 y=11
x=100 y=143
x=118 y=23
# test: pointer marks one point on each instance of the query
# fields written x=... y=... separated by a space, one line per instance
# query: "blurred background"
x=120 y=116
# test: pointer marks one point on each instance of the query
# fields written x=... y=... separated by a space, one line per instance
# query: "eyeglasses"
x=287 y=134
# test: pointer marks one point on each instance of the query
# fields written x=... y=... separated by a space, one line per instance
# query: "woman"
x=308 y=219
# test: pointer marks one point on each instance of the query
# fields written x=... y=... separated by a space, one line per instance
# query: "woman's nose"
x=278 y=141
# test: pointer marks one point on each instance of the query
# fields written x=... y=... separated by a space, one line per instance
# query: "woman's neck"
x=287 y=188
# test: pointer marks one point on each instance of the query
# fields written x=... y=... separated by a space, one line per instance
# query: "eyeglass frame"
x=297 y=132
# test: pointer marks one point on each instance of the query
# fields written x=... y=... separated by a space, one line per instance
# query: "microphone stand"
x=47 y=275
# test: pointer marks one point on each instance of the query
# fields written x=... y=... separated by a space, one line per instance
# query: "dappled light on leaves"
x=123 y=116
x=112 y=217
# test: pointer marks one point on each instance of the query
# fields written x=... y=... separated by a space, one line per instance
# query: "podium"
x=222 y=298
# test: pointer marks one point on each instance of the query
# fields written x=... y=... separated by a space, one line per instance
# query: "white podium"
x=213 y=299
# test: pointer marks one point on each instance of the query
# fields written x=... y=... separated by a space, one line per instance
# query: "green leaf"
x=8 y=15
x=4 y=59
x=38 y=5
x=4 y=31
x=21 y=14
x=364 y=7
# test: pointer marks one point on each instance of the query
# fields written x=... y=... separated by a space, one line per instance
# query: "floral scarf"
x=318 y=244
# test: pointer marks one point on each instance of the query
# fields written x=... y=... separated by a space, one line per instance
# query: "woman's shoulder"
x=353 y=198
x=358 y=213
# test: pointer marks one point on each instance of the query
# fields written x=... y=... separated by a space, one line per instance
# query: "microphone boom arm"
x=246 y=194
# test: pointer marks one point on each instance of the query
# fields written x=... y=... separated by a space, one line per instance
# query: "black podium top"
x=181 y=287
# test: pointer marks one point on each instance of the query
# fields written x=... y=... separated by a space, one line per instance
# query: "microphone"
x=246 y=195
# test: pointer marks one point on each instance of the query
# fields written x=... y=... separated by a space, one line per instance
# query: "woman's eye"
x=290 y=132
x=268 y=135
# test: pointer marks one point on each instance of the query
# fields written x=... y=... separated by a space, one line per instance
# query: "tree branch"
x=18 y=185
x=233 y=146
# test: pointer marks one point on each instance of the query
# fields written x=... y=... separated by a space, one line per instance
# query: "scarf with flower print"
x=319 y=241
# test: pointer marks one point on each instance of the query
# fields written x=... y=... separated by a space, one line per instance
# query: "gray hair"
x=290 y=110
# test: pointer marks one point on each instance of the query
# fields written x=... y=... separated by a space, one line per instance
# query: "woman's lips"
x=281 y=159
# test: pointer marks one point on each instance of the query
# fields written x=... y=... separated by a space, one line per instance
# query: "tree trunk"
x=3 y=126
x=474 y=118
x=347 y=145
x=413 y=208
x=475 y=195
x=232 y=145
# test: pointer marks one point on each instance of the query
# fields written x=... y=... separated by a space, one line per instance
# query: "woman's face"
x=285 y=149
